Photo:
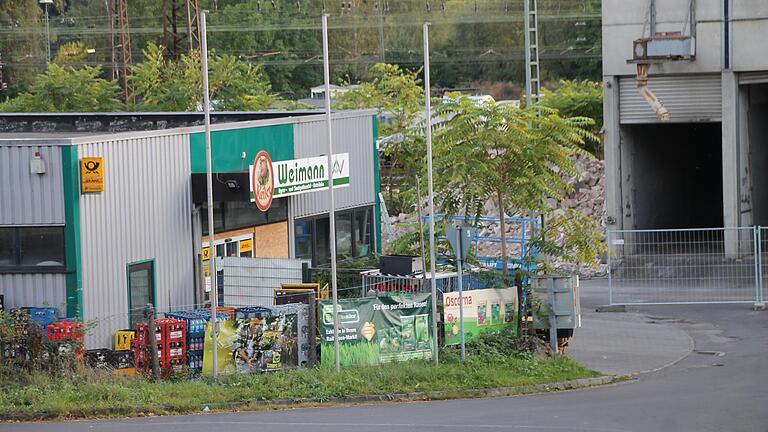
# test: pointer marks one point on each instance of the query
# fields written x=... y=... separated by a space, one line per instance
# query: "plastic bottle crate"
x=65 y=330
x=98 y=358
x=121 y=359
x=42 y=316
x=123 y=339
x=252 y=312
x=142 y=332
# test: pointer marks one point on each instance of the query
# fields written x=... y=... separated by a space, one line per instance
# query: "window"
x=32 y=249
x=353 y=236
x=141 y=289
x=232 y=215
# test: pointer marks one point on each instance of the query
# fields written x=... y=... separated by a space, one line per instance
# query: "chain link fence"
x=686 y=266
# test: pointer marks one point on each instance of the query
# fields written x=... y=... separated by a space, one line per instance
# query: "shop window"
x=233 y=215
x=344 y=236
x=362 y=231
x=141 y=289
x=303 y=233
x=353 y=236
x=32 y=249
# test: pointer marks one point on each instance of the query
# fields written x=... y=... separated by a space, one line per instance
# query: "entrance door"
x=141 y=289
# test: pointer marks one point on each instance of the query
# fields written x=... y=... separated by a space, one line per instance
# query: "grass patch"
x=90 y=393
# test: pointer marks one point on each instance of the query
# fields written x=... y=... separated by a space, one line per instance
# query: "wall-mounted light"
x=232 y=185
x=37 y=164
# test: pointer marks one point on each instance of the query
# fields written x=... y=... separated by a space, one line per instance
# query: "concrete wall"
x=624 y=21
x=144 y=213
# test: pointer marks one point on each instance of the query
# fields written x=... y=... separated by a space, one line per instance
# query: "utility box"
x=567 y=307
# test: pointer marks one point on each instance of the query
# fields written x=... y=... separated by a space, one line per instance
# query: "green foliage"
x=517 y=156
x=162 y=85
x=579 y=99
x=71 y=53
x=65 y=89
x=499 y=344
x=23 y=350
x=89 y=394
x=572 y=237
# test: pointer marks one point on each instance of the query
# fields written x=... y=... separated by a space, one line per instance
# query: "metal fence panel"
x=762 y=245
x=252 y=281
x=718 y=265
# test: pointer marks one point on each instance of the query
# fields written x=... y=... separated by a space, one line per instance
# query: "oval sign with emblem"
x=263 y=181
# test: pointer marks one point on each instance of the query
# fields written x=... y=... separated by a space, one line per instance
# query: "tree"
x=71 y=53
x=65 y=89
x=398 y=96
x=162 y=85
x=518 y=157
x=579 y=99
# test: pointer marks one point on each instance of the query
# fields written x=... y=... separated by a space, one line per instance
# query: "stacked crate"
x=196 y=321
x=171 y=338
x=67 y=331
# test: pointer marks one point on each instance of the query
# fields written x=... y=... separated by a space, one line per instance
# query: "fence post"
x=759 y=302
x=149 y=313
x=608 y=253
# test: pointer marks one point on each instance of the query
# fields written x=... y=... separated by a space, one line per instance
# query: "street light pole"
x=332 y=211
x=209 y=181
x=431 y=194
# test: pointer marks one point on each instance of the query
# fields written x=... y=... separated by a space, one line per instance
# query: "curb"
x=445 y=394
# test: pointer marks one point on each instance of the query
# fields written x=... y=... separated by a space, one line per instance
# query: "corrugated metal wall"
x=34 y=289
x=144 y=213
x=26 y=198
x=353 y=135
x=31 y=199
x=689 y=98
x=252 y=281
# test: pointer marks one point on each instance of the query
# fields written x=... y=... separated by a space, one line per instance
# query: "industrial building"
x=686 y=103
x=104 y=213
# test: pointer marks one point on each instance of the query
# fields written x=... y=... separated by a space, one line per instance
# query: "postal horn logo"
x=91 y=166
x=263 y=181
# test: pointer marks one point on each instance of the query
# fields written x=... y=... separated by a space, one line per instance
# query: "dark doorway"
x=676 y=175
x=758 y=151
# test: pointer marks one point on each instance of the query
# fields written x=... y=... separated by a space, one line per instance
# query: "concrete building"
x=704 y=166
x=100 y=251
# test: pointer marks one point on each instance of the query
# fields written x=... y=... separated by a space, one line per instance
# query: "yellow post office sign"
x=206 y=255
x=92 y=175
x=246 y=245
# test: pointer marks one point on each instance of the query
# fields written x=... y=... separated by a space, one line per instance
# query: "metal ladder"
x=532 y=75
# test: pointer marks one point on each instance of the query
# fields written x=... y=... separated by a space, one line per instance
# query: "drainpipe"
x=642 y=84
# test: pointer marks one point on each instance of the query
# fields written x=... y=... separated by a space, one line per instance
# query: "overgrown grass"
x=98 y=394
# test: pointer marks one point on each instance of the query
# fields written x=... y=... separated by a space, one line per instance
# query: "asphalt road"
x=721 y=386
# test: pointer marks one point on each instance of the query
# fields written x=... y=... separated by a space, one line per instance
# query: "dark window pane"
x=220 y=250
x=232 y=249
x=363 y=227
x=218 y=217
x=344 y=236
x=140 y=289
x=303 y=235
x=7 y=246
x=242 y=214
x=42 y=246
x=322 y=242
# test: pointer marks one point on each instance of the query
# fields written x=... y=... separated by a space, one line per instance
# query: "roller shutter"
x=691 y=98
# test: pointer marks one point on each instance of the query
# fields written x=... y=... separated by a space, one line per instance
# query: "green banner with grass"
x=378 y=330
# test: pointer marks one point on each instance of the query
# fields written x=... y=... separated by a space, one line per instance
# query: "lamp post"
x=47 y=29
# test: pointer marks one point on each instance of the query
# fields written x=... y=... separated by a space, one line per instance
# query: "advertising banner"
x=297 y=176
x=378 y=329
x=255 y=344
x=486 y=309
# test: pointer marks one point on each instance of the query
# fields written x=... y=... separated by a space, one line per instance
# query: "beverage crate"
x=65 y=330
x=98 y=358
x=123 y=359
x=142 y=333
x=175 y=330
x=42 y=316
x=123 y=339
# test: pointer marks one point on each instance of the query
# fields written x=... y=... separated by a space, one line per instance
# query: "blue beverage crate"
x=42 y=316
x=252 y=312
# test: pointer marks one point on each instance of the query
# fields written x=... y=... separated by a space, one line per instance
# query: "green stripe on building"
x=74 y=280
x=377 y=183
x=227 y=147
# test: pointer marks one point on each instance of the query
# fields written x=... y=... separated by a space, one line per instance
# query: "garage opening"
x=676 y=175
x=758 y=151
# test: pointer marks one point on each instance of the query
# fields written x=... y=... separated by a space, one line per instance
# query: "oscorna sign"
x=297 y=176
